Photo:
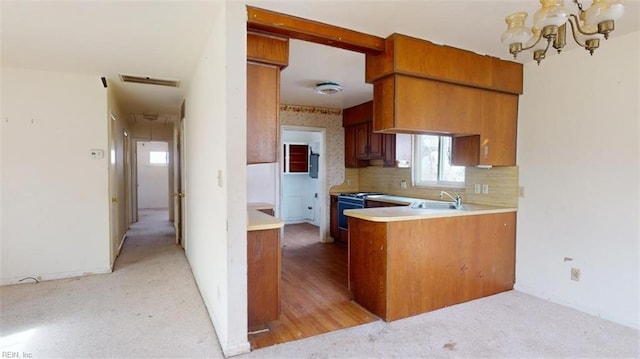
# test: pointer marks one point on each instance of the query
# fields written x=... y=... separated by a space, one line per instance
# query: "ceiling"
x=165 y=39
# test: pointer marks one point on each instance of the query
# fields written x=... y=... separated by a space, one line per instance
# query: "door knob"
x=178 y=194
x=114 y=199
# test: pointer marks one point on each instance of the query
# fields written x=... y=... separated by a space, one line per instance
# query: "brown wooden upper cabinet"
x=421 y=87
x=296 y=158
x=266 y=56
x=362 y=144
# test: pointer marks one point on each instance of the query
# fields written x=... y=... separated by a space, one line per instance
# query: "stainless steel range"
x=350 y=201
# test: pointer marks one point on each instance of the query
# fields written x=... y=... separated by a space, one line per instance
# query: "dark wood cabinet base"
x=400 y=269
x=263 y=276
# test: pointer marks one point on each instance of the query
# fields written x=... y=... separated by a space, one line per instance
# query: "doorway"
x=152 y=174
x=302 y=190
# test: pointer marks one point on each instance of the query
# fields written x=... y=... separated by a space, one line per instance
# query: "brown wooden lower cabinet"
x=404 y=268
x=334 y=230
x=263 y=276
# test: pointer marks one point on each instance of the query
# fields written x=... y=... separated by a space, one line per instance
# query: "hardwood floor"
x=315 y=298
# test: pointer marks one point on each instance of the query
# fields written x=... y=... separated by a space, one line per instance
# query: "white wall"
x=578 y=153
x=261 y=182
x=215 y=177
x=153 y=180
x=55 y=198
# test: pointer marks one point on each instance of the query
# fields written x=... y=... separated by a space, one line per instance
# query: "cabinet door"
x=376 y=143
x=350 y=160
x=298 y=158
x=362 y=141
x=264 y=264
x=263 y=93
x=465 y=150
x=499 y=127
x=334 y=230
x=389 y=153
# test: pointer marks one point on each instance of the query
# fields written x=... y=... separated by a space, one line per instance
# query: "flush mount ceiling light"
x=327 y=88
x=550 y=26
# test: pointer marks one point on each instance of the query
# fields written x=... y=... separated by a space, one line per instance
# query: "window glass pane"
x=432 y=163
x=158 y=157
x=428 y=154
x=449 y=173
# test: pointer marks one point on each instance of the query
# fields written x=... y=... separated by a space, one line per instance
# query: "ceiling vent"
x=149 y=80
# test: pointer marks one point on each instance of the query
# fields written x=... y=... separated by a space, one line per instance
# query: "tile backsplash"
x=350 y=184
x=502 y=184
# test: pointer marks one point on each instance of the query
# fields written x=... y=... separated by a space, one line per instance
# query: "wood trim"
x=268 y=49
x=308 y=30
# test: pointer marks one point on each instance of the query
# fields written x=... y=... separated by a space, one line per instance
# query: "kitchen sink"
x=436 y=205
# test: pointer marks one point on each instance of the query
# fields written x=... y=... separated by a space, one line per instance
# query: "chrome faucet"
x=457 y=199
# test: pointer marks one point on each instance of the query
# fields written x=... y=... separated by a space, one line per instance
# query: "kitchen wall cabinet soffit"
x=421 y=87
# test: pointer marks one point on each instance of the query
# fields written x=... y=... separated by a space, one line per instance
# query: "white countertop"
x=260 y=205
x=260 y=221
x=406 y=213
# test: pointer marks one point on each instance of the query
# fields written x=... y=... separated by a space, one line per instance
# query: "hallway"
x=148 y=307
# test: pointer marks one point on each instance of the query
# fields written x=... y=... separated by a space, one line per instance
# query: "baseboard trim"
x=54 y=276
x=124 y=238
x=234 y=350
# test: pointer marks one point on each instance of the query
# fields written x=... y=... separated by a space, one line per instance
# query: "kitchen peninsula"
x=405 y=261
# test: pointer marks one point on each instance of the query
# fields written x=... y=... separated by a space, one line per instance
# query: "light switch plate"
x=96 y=154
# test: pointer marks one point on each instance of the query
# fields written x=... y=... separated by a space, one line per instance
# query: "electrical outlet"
x=403 y=184
x=477 y=188
x=485 y=188
x=348 y=182
x=521 y=191
x=575 y=274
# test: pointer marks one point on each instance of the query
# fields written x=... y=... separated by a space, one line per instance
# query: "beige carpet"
x=150 y=308
x=507 y=325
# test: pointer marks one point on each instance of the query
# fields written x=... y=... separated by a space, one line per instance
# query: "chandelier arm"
x=579 y=5
x=575 y=36
x=548 y=46
x=534 y=44
x=576 y=22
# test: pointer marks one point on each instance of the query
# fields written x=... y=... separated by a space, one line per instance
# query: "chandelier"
x=550 y=27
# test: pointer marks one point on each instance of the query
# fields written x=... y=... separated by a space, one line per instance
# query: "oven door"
x=347 y=203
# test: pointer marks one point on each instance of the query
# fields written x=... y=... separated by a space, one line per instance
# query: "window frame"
x=415 y=167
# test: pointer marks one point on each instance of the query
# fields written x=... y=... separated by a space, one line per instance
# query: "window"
x=158 y=158
x=432 y=163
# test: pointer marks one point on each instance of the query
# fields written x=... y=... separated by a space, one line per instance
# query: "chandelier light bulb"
x=604 y=10
x=552 y=13
x=516 y=34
